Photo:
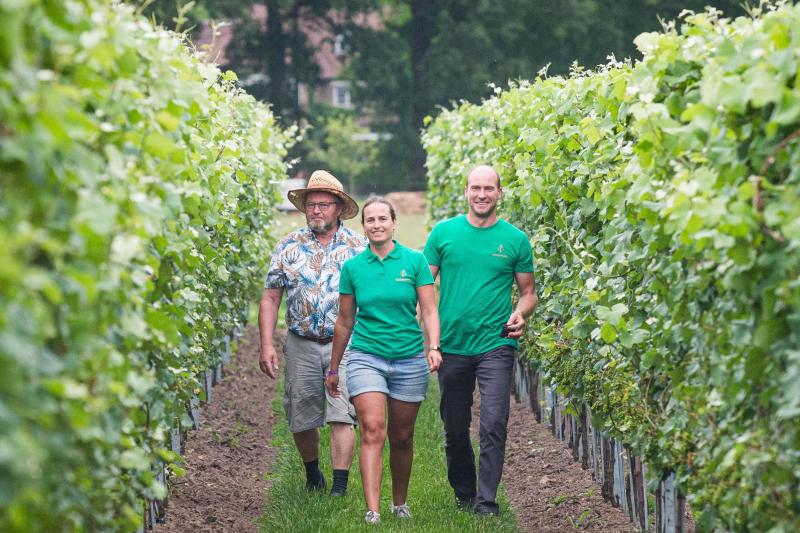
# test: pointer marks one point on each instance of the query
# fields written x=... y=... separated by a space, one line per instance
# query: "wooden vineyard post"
x=619 y=476
x=608 y=471
x=576 y=438
x=535 y=398
x=670 y=507
x=639 y=491
x=584 y=437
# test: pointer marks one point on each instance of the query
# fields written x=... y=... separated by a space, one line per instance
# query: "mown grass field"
x=411 y=230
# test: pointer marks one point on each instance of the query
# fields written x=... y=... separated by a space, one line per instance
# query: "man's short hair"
x=496 y=174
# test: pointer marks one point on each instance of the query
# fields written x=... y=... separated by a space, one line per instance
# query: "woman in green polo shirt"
x=387 y=368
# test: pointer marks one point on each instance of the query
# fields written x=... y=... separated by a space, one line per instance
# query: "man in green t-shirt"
x=479 y=257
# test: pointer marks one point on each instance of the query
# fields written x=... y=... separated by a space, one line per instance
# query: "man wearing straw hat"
x=306 y=264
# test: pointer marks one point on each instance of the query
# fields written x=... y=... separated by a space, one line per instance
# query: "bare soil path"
x=228 y=457
x=549 y=491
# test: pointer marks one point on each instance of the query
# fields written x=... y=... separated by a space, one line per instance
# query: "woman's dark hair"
x=378 y=200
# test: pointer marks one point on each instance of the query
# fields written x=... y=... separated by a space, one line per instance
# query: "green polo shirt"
x=476 y=269
x=386 y=300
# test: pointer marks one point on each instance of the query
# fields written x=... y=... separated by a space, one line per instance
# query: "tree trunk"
x=423 y=14
x=423 y=27
x=297 y=46
x=276 y=58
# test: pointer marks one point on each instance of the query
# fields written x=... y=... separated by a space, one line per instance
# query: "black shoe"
x=338 y=492
x=482 y=510
x=465 y=504
x=319 y=485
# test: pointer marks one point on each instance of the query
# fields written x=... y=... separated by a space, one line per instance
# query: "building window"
x=341 y=94
x=339 y=48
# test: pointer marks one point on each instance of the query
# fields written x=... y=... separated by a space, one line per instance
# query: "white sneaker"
x=401 y=511
x=372 y=517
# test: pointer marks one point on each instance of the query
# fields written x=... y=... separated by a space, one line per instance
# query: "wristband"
x=437 y=348
x=332 y=372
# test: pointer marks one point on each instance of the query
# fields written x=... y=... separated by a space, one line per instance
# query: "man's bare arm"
x=421 y=318
x=267 y=318
x=526 y=282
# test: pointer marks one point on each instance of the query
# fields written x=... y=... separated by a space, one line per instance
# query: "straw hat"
x=324 y=181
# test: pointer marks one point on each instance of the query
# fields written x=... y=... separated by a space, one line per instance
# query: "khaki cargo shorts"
x=305 y=400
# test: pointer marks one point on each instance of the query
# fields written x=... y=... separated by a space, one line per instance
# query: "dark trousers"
x=457 y=375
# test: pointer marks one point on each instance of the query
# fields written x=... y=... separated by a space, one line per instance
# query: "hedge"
x=662 y=199
x=137 y=185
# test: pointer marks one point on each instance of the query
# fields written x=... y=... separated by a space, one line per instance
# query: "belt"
x=319 y=340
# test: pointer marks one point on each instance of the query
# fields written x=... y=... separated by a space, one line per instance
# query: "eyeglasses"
x=323 y=206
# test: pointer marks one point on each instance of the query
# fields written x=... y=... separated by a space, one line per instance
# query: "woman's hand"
x=332 y=384
x=341 y=335
x=434 y=360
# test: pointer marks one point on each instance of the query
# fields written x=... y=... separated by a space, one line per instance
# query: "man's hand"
x=516 y=325
x=267 y=317
x=332 y=384
x=268 y=361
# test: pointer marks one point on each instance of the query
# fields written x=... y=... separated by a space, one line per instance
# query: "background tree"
x=179 y=15
x=428 y=54
x=424 y=54
x=269 y=51
x=273 y=56
x=343 y=147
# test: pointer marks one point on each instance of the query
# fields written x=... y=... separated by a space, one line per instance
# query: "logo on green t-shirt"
x=499 y=252
x=404 y=278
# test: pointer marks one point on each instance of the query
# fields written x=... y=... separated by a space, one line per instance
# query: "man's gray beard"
x=321 y=227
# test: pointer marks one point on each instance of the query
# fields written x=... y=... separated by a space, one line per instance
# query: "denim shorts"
x=402 y=379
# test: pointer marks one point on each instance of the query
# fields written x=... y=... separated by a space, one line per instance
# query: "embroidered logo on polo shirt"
x=403 y=277
x=499 y=252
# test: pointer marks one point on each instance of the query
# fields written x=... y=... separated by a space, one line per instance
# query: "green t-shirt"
x=477 y=267
x=386 y=300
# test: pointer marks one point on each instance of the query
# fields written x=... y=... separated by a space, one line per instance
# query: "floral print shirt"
x=309 y=273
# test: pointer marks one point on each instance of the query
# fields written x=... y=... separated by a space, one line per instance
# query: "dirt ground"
x=226 y=459
x=224 y=487
x=408 y=202
x=549 y=491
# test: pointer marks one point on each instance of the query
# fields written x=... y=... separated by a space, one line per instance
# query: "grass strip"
x=291 y=508
x=410 y=229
